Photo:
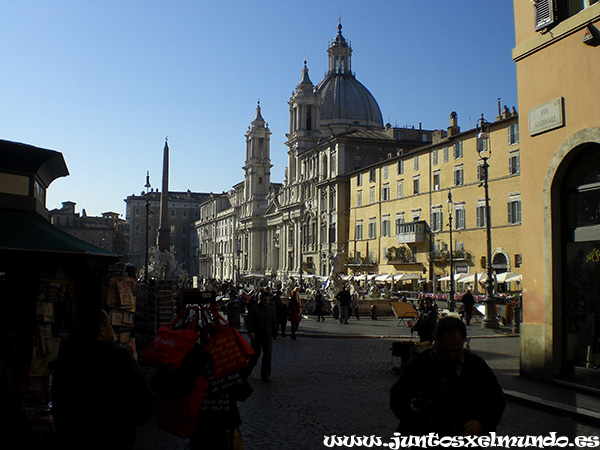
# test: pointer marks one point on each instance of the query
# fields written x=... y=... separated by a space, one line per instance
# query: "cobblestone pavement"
x=341 y=386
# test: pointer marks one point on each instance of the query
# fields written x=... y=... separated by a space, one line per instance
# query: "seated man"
x=425 y=325
x=447 y=390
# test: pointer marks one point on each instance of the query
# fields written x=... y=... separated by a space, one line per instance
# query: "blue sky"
x=104 y=82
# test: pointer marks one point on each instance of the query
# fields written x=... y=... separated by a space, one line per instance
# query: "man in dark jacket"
x=447 y=390
x=99 y=393
x=425 y=324
x=345 y=300
x=262 y=329
x=468 y=302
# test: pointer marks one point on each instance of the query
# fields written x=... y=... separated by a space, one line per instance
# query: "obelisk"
x=164 y=230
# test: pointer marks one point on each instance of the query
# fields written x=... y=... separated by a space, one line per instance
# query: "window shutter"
x=510 y=165
x=478 y=210
x=510 y=212
x=544 y=13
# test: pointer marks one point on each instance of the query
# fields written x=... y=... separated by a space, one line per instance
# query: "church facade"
x=293 y=228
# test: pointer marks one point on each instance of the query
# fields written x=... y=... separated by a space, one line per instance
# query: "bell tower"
x=305 y=116
x=258 y=163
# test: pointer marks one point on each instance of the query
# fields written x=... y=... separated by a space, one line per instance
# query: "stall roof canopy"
x=28 y=231
x=48 y=164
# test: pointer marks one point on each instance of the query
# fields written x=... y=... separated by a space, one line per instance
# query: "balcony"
x=444 y=255
x=413 y=232
x=360 y=262
x=400 y=255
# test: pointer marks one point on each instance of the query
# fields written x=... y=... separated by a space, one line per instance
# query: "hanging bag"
x=226 y=347
x=178 y=416
x=173 y=342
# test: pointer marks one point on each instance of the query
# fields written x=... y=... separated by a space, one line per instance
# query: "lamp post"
x=222 y=259
x=147 y=186
x=451 y=295
x=485 y=152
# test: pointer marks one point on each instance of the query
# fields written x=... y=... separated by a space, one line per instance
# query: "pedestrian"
x=468 y=302
x=447 y=390
x=319 y=304
x=281 y=313
x=344 y=298
x=354 y=305
x=99 y=393
x=262 y=329
x=425 y=324
x=295 y=312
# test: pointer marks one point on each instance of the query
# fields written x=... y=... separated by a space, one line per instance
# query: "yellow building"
x=558 y=74
x=399 y=210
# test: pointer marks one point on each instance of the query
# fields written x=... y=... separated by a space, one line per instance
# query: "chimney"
x=499 y=116
x=453 y=128
x=505 y=112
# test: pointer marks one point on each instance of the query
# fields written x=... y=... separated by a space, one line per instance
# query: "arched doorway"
x=500 y=263
x=580 y=231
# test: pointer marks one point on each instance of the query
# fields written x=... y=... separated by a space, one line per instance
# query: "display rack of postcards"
x=121 y=304
x=54 y=296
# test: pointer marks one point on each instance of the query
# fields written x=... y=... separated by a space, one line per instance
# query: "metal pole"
x=451 y=295
x=490 y=303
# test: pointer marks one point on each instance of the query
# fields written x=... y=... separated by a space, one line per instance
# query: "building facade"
x=400 y=210
x=336 y=127
x=558 y=71
x=106 y=232
x=183 y=211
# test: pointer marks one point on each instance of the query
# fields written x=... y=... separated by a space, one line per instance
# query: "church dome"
x=345 y=100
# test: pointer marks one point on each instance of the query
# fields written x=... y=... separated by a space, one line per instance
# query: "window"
x=372 y=229
x=359 y=198
x=400 y=167
x=385 y=172
x=459 y=214
x=416 y=214
x=436 y=219
x=416 y=162
x=399 y=222
x=386 y=226
x=513 y=134
x=514 y=163
x=415 y=185
x=480 y=171
x=359 y=231
x=436 y=181
x=458 y=150
x=385 y=194
x=172 y=213
x=137 y=212
x=359 y=179
x=445 y=154
x=372 y=176
x=482 y=145
x=372 y=195
x=399 y=189
x=480 y=215
x=514 y=209
x=458 y=176
x=434 y=157
x=546 y=10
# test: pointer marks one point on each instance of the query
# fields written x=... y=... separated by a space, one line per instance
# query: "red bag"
x=178 y=415
x=172 y=343
x=226 y=347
